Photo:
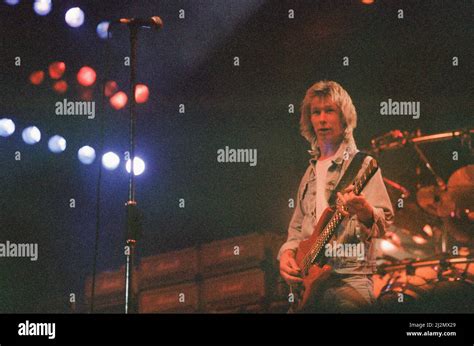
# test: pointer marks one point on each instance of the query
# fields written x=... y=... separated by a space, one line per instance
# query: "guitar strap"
x=348 y=176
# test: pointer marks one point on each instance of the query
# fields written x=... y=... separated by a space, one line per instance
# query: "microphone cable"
x=99 y=178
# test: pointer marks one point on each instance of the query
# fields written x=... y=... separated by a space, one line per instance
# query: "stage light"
x=86 y=155
x=110 y=161
x=141 y=93
x=110 y=88
x=86 y=76
x=428 y=230
x=470 y=216
x=57 y=144
x=56 y=69
x=42 y=7
x=60 y=87
x=419 y=240
x=367 y=2
x=36 y=77
x=12 y=2
x=119 y=100
x=74 y=17
x=102 y=28
x=387 y=246
x=138 y=166
x=31 y=135
x=7 y=127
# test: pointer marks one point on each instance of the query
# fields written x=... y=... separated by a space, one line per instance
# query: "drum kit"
x=425 y=261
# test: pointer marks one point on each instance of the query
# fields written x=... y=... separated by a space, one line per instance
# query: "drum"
x=438 y=285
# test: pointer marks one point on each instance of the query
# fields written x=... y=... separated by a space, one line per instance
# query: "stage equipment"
x=133 y=215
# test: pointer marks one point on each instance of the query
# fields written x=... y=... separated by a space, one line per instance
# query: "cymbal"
x=461 y=191
x=462 y=178
x=458 y=197
x=433 y=200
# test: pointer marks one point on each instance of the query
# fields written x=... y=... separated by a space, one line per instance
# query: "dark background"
x=190 y=62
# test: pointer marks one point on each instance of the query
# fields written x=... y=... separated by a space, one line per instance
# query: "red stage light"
x=36 y=77
x=60 y=86
x=119 y=100
x=141 y=93
x=56 y=69
x=367 y=2
x=111 y=88
x=86 y=76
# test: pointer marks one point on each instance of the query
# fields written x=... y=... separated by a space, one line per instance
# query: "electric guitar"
x=310 y=255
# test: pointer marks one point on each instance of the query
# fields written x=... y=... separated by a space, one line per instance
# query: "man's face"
x=326 y=119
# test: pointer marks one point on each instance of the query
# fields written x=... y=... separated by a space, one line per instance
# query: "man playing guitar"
x=328 y=118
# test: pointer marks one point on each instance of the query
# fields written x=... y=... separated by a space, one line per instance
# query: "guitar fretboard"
x=330 y=228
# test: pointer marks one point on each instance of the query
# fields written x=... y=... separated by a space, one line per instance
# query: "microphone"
x=154 y=22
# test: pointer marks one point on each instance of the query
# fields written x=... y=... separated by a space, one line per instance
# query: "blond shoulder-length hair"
x=342 y=99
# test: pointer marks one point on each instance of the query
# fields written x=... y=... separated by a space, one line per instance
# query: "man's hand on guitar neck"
x=355 y=205
x=289 y=270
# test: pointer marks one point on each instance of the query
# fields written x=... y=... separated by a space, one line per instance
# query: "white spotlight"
x=86 y=155
x=31 y=135
x=110 y=161
x=42 y=7
x=74 y=17
x=7 y=127
x=138 y=166
x=57 y=144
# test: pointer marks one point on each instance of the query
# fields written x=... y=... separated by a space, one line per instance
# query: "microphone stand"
x=133 y=218
x=133 y=215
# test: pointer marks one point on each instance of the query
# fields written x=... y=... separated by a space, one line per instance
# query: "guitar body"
x=312 y=286
x=317 y=274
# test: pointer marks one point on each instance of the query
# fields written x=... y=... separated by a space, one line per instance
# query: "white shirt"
x=321 y=173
